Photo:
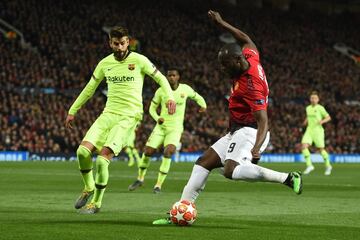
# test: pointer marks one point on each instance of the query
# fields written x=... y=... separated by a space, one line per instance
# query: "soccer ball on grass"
x=183 y=213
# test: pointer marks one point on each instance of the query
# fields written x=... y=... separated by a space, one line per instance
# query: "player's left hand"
x=255 y=155
x=171 y=106
x=201 y=110
x=69 y=119
x=161 y=120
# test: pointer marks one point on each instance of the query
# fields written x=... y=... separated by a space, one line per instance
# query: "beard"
x=119 y=55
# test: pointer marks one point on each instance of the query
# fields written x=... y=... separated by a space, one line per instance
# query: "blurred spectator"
x=37 y=88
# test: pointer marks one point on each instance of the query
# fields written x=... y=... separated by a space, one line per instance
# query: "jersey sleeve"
x=196 y=97
x=251 y=54
x=323 y=112
x=89 y=90
x=157 y=97
x=149 y=69
x=155 y=102
x=256 y=100
x=99 y=72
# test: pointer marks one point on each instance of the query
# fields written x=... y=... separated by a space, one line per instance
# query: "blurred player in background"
x=316 y=116
x=168 y=129
x=177 y=152
x=248 y=134
x=131 y=150
x=124 y=72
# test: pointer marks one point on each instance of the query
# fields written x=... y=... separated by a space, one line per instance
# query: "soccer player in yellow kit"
x=316 y=116
x=168 y=129
x=124 y=72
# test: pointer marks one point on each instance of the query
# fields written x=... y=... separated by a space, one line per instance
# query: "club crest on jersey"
x=131 y=67
x=182 y=95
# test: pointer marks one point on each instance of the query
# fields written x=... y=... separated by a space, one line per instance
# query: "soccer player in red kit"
x=239 y=150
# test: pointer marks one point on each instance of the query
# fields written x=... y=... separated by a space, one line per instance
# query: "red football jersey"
x=249 y=92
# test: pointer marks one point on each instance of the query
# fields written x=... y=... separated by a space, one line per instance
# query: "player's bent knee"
x=199 y=161
x=88 y=145
x=229 y=167
x=149 y=151
x=107 y=153
x=304 y=146
x=228 y=174
x=205 y=163
x=169 y=150
x=202 y=162
x=209 y=160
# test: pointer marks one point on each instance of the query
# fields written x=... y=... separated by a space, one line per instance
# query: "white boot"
x=328 y=170
x=308 y=169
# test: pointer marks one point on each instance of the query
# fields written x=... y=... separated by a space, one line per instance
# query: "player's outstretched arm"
x=155 y=102
x=84 y=96
x=239 y=35
x=262 y=123
x=160 y=79
x=201 y=102
x=68 y=121
x=198 y=99
x=164 y=84
x=152 y=110
x=325 y=116
x=325 y=120
x=305 y=122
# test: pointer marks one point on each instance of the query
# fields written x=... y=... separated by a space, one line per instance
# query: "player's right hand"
x=69 y=120
x=161 y=120
x=255 y=160
x=215 y=16
x=255 y=152
x=202 y=110
x=171 y=106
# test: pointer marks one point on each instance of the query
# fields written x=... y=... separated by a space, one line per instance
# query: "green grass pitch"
x=36 y=202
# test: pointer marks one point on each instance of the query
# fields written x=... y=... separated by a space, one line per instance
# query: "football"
x=183 y=213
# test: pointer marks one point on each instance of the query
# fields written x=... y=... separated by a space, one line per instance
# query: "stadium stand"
x=37 y=87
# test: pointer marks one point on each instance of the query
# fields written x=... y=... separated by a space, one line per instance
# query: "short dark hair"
x=231 y=49
x=174 y=69
x=118 y=32
x=314 y=93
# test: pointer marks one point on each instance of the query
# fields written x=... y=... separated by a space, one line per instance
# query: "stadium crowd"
x=38 y=87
